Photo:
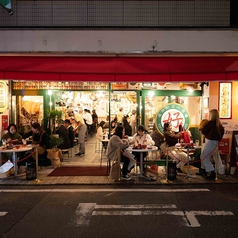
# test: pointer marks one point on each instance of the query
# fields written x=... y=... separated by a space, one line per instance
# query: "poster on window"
x=225 y=100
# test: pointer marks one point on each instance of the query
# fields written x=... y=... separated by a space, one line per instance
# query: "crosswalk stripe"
x=3 y=214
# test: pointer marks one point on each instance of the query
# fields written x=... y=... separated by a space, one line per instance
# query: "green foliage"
x=54 y=141
x=54 y=114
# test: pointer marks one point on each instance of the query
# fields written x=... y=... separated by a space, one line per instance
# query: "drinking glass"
x=197 y=142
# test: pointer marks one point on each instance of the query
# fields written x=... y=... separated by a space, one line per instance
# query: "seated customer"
x=12 y=136
x=71 y=134
x=40 y=141
x=63 y=133
x=116 y=143
x=141 y=138
x=100 y=133
x=157 y=137
x=171 y=139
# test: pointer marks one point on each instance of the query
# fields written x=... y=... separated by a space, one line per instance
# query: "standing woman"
x=12 y=136
x=126 y=125
x=133 y=121
x=213 y=132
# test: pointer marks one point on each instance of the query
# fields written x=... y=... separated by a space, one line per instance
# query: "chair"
x=68 y=152
x=98 y=146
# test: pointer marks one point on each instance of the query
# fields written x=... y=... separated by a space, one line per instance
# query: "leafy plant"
x=54 y=114
x=54 y=141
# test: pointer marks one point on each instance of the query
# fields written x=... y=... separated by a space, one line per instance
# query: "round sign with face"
x=174 y=113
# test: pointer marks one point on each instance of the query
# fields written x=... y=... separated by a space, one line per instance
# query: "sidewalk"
x=92 y=158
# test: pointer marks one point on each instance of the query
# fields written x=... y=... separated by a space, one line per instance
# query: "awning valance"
x=120 y=68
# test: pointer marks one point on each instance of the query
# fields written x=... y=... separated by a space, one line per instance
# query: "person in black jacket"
x=63 y=133
x=126 y=125
x=213 y=132
x=71 y=134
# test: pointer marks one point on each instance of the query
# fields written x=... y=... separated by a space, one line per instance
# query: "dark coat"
x=71 y=135
x=63 y=133
x=211 y=132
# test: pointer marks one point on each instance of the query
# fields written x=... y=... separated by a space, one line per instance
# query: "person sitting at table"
x=171 y=139
x=12 y=136
x=116 y=143
x=141 y=138
x=100 y=133
x=39 y=140
x=64 y=134
x=71 y=134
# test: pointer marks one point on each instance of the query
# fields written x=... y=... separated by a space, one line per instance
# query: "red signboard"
x=223 y=146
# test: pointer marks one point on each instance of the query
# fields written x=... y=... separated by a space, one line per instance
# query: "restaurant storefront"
x=105 y=83
x=30 y=100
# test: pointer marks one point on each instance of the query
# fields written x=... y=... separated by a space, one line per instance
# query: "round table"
x=14 y=150
x=187 y=150
x=147 y=149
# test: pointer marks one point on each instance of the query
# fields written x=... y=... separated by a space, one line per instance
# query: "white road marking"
x=194 y=222
x=87 y=210
x=149 y=206
x=98 y=190
x=3 y=214
x=83 y=214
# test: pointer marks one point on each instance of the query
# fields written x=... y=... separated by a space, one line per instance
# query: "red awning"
x=119 y=68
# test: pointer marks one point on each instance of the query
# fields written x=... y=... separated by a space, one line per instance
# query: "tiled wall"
x=160 y=13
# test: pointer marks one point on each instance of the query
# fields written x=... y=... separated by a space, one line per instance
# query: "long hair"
x=101 y=123
x=119 y=131
x=166 y=125
x=214 y=116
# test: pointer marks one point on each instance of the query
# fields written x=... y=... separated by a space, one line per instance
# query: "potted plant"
x=54 y=117
x=54 y=153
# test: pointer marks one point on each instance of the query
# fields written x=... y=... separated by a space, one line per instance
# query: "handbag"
x=185 y=136
x=115 y=171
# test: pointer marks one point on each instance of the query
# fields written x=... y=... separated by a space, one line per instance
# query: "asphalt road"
x=107 y=211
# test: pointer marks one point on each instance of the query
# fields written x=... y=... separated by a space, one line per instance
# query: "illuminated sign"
x=3 y=97
x=174 y=113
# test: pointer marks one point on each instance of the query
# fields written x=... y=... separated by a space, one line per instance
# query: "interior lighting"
x=151 y=93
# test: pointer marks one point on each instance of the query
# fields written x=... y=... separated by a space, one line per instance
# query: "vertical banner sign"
x=174 y=113
x=4 y=122
x=6 y=4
